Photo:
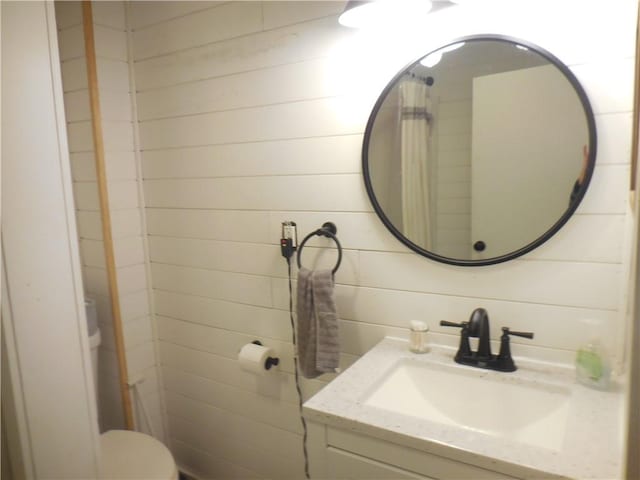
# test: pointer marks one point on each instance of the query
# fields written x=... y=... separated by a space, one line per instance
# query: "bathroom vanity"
x=396 y=414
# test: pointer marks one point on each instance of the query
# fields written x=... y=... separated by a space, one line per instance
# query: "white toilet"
x=126 y=454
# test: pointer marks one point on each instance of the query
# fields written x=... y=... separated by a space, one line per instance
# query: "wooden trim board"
x=103 y=194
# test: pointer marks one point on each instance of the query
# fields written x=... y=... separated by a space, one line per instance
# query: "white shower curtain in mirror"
x=415 y=153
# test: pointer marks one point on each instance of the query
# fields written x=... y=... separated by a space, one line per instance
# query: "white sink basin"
x=536 y=418
x=473 y=399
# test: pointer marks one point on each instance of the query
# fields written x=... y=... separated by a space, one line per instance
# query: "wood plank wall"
x=122 y=176
x=252 y=113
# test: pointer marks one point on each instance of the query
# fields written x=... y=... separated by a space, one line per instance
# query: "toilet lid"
x=129 y=455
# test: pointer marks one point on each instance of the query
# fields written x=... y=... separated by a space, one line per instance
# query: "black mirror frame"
x=584 y=100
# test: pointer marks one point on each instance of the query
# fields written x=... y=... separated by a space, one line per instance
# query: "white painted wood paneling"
x=248 y=258
x=118 y=136
x=607 y=192
x=305 y=156
x=131 y=279
x=124 y=223
x=356 y=230
x=68 y=14
x=110 y=43
x=221 y=342
x=280 y=84
x=89 y=225
x=253 y=259
x=105 y=13
x=80 y=137
x=76 y=106
x=113 y=75
x=70 y=42
x=92 y=252
x=119 y=166
x=605 y=244
x=611 y=128
x=591 y=285
x=277 y=14
x=136 y=332
x=239 y=287
x=109 y=14
x=83 y=166
x=262 y=409
x=115 y=106
x=254 y=123
x=315 y=192
x=122 y=195
x=554 y=326
x=275 y=47
x=140 y=358
x=134 y=305
x=310 y=118
x=243 y=443
x=127 y=251
x=608 y=83
x=144 y=13
x=278 y=385
x=228 y=20
x=74 y=73
x=230 y=225
x=247 y=319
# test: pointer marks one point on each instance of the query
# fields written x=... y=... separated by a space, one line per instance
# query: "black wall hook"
x=328 y=230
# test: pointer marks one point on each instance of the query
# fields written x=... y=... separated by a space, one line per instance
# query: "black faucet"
x=478 y=327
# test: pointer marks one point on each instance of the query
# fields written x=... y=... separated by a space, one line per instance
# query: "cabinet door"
x=344 y=465
x=406 y=460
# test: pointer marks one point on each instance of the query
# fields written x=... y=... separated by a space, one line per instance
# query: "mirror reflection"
x=479 y=151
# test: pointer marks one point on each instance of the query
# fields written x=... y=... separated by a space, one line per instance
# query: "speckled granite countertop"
x=592 y=446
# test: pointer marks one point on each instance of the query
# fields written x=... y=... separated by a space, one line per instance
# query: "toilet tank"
x=92 y=315
x=94 y=337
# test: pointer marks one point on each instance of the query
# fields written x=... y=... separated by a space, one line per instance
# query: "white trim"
x=143 y=223
x=632 y=464
x=44 y=320
x=13 y=403
x=72 y=228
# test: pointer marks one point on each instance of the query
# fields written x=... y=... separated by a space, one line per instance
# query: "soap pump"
x=418 y=337
x=593 y=368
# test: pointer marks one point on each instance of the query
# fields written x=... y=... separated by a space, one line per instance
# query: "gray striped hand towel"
x=317 y=339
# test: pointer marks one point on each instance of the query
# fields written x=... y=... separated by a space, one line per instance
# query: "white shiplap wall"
x=122 y=180
x=252 y=113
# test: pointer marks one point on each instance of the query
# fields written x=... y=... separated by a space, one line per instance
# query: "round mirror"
x=480 y=151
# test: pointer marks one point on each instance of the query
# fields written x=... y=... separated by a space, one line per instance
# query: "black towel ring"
x=328 y=230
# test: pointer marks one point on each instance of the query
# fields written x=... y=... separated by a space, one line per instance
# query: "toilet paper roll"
x=253 y=358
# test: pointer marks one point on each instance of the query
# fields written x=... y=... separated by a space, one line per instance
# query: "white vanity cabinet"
x=394 y=414
x=339 y=454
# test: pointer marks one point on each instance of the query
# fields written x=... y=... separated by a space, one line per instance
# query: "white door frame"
x=43 y=306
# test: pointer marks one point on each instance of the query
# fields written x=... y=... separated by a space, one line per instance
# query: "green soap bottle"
x=592 y=366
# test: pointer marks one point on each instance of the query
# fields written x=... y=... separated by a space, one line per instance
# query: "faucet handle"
x=504 y=362
x=505 y=330
x=464 y=350
x=445 y=323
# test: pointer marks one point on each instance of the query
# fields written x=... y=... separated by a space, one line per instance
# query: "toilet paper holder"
x=270 y=361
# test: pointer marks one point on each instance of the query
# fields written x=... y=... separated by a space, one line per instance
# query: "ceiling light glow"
x=366 y=14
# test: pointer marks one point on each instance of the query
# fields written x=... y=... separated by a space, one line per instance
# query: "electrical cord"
x=296 y=375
